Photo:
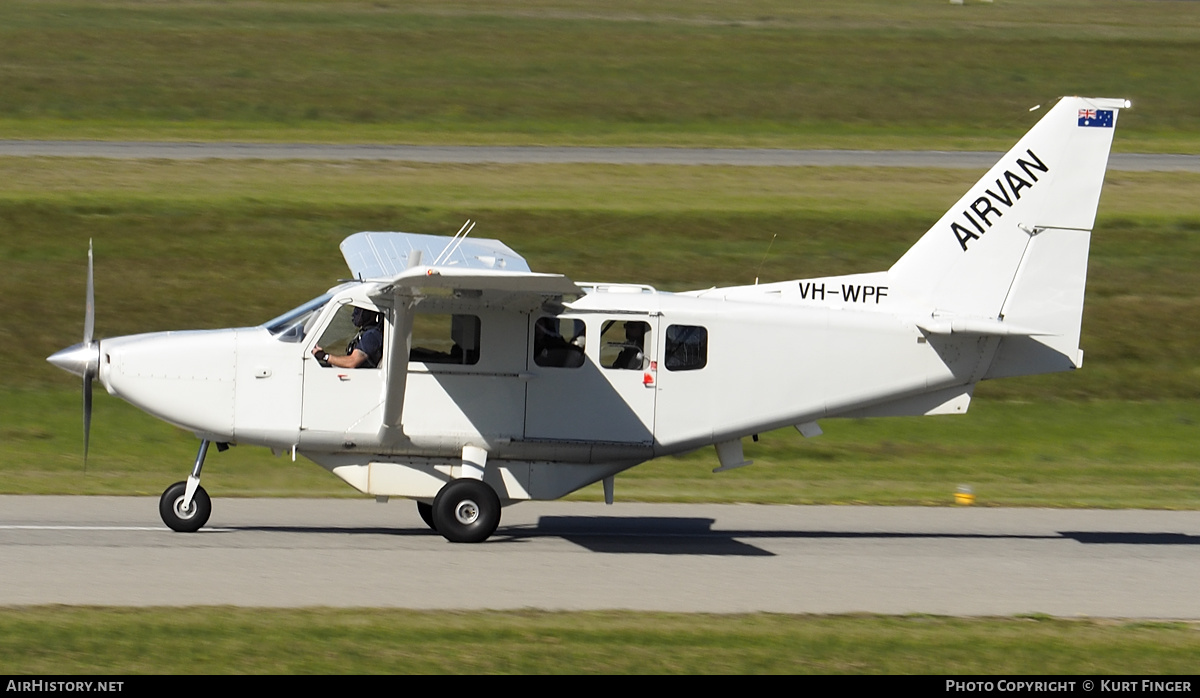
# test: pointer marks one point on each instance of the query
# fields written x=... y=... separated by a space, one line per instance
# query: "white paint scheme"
x=995 y=288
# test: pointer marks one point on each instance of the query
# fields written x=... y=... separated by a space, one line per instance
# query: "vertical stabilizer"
x=966 y=264
x=1011 y=255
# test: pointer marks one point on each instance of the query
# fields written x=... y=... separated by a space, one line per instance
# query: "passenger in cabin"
x=551 y=348
x=632 y=356
x=464 y=330
x=365 y=350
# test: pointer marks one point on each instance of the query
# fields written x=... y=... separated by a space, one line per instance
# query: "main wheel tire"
x=170 y=508
x=466 y=511
x=426 y=512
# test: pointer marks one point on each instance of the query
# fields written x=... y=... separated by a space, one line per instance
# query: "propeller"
x=83 y=359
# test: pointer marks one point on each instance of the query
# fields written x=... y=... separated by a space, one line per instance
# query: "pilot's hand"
x=321 y=355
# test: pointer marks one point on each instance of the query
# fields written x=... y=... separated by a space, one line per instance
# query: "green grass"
x=1111 y=454
x=1056 y=454
x=49 y=640
x=219 y=244
x=872 y=73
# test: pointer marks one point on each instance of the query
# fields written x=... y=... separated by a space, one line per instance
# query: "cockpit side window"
x=559 y=343
x=342 y=336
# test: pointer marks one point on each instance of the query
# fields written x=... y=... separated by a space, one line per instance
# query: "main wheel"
x=170 y=508
x=466 y=511
x=426 y=512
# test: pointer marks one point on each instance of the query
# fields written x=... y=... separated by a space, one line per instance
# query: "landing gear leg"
x=185 y=506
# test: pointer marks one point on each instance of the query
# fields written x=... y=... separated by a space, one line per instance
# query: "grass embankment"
x=873 y=74
x=52 y=641
x=214 y=244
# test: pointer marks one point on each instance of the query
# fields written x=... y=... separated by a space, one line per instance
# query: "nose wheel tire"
x=176 y=517
x=466 y=511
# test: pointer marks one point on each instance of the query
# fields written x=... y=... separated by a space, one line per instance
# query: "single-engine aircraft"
x=496 y=384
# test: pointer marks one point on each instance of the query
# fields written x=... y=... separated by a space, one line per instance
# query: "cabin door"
x=340 y=403
x=592 y=378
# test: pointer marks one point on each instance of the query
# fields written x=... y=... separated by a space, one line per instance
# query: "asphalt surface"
x=575 y=556
x=537 y=154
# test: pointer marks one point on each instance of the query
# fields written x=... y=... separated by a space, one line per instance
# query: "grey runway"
x=577 y=556
x=744 y=157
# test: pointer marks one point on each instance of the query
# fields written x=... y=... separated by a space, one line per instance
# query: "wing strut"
x=404 y=300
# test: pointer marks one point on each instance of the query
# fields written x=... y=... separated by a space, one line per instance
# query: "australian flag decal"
x=1096 y=118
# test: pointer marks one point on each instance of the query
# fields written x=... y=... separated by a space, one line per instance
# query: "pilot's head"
x=365 y=318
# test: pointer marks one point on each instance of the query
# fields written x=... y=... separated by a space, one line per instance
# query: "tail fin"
x=1012 y=253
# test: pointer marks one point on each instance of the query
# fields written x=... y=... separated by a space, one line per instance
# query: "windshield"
x=293 y=325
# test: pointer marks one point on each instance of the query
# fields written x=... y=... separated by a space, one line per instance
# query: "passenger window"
x=445 y=339
x=625 y=345
x=686 y=348
x=559 y=343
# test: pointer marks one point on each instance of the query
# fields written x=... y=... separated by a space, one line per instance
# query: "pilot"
x=365 y=350
x=632 y=355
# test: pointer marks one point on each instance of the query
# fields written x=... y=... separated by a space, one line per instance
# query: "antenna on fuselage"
x=455 y=241
x=764 y=259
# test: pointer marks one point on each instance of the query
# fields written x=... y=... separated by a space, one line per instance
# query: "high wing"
x=508 y=288
x=373 y=255
x=400 y=269
x=394 y=261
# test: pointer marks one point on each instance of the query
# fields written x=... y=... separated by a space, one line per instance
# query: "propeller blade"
x=89 y=325
x=89 y=309
x=83 y=359
x=87 y=417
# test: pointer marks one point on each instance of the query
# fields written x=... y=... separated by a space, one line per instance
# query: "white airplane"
x=486 y=384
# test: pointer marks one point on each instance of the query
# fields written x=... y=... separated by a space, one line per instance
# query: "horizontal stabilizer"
x=971 y=325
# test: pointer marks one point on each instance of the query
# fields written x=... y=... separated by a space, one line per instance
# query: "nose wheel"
x=185 y=506
x=179 y=514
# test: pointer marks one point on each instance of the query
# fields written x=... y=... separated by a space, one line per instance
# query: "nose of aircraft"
x=83 y=359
